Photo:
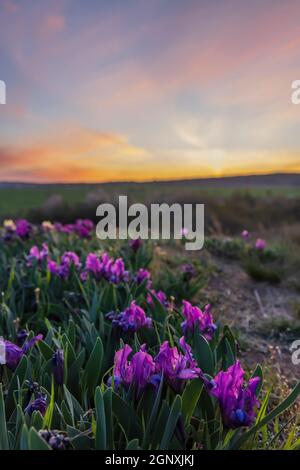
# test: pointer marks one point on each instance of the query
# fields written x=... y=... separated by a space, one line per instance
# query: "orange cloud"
x=70 y=153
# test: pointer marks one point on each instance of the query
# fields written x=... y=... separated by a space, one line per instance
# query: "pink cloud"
x=10 y=7
x=54 y=23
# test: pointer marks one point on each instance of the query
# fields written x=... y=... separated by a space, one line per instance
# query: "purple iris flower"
x=105 y=267
x=57 y=440
x=245 y=234
x=23 y=228
x=175 y=366
x=38 y=404
x=64 y=270
x=195 y=318
x=140 y=370
x=260 y=244
x=70 y=258
x=97 y=265
x=58 y=366
x=142 y=275
x=93 y=264
x=84 y=276
x=53 y=267
x=188 y=271
x=132 y=319
x=135 y=244
x=14 y=353
x=36 y=254
x=84 y=227
x=116 y=272
x=29 y=344
x=21 y=337
x=237 y=400
x=58 y=227
x=61 y=270
x=160 y=295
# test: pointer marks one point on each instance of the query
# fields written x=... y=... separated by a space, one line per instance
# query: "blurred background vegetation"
x=267 y=202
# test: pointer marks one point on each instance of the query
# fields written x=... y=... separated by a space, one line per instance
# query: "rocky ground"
x=263 y=315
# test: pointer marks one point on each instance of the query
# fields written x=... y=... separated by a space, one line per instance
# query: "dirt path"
x=261 y=314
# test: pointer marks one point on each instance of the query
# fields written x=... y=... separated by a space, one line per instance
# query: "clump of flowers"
x=105 y=267
x=237 y=399
x=38 y=255
x=62 y=269
x=115 y=271
x=175 y=366
x=84 y=228
x=63 y=228
x=70 y=258
x=38 y=404
x=195 y=319
x=132 y=319
x=21 y=228
x=39 y=401
x=57 y=440
x=139 y=370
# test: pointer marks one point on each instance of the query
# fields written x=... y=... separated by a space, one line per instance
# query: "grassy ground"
x=17 y=201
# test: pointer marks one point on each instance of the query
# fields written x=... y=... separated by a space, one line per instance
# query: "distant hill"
x=271 y=180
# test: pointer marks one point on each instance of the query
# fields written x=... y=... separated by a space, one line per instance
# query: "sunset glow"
x=142 y=90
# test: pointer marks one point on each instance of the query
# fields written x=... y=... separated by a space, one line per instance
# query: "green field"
x=17 y=201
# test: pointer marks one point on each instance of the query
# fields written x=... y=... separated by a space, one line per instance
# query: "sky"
x=148 y=89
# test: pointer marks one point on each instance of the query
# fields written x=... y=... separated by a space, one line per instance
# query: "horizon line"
x=163 y=180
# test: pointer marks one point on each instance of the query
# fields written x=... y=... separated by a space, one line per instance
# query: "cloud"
x=9 y=7
x=55 y=23
x=70 y=153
